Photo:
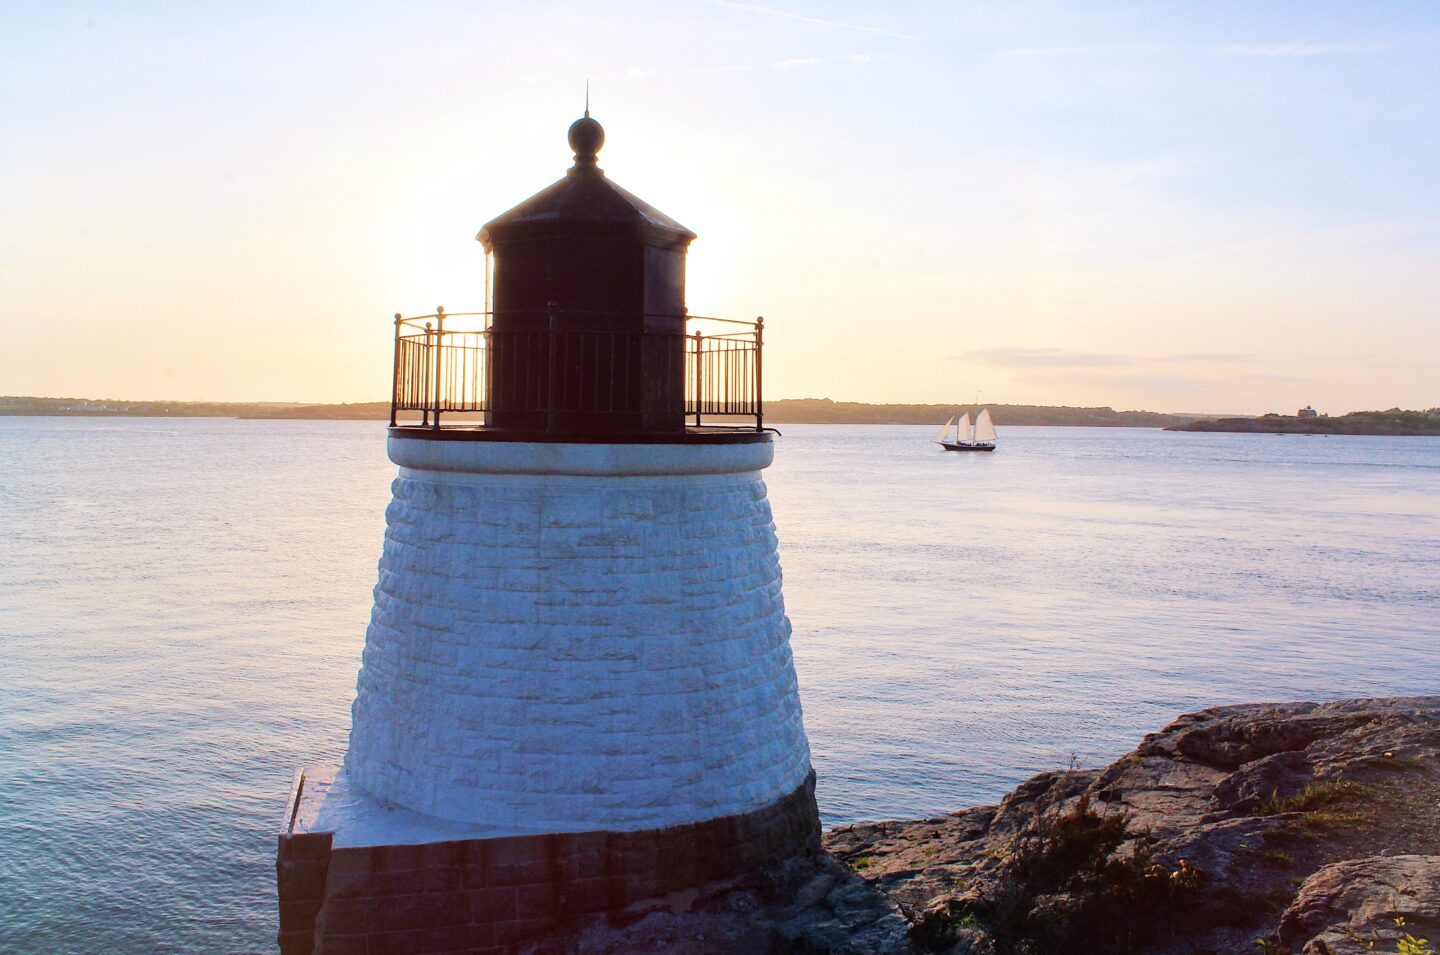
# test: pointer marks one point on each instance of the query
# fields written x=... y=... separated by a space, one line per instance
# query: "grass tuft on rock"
x=1315 y=796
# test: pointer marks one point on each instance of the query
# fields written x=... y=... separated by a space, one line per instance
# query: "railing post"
x=487 y=372
x=425 y=378
x=395 y=372
x=759 y=350
x=550 y=375
x=439 y=349
x=699 y=375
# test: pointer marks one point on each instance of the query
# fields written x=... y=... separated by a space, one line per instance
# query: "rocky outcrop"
x=1365 y=905
x=1297 y=828
x=1197 y=842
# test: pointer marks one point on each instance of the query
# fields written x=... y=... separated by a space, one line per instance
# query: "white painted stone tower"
x=577 y=690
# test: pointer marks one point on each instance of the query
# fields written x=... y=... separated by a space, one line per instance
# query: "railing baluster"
x=425 y=379
x=699 y=376
x=439 y=347
x=759 y=377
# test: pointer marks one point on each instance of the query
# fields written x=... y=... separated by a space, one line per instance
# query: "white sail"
x=944 y=431
x=962 y=430
x=984 y=428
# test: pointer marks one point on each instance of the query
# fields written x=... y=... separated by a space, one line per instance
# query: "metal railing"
x=445 y=363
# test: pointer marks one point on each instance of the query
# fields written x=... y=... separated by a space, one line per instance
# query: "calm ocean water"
x=183 y=605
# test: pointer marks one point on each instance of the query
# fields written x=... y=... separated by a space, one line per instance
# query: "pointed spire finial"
x=586 y=137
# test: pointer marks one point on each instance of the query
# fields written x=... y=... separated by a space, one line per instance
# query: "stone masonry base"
x=506 y=895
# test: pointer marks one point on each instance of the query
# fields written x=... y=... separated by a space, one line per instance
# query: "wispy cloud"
x=725 y=68
x=1042 y=358
x=796 y=62
x=818 y=21
x=1174 y=385
x=1062 y=358
x=1158 y=168
x=1043 y=51
x=1046 y=50
x=1296 y=48
x=1288 y=49
x=856 y=59
x=1274 y=377
x=1208 y=357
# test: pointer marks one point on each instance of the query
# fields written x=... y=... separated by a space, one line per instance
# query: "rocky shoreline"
x=1302 y=828
x=1289 y=827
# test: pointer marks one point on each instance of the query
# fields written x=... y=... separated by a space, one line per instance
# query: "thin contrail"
x=772 y=11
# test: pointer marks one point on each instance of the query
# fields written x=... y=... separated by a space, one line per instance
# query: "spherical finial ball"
x=586 y=137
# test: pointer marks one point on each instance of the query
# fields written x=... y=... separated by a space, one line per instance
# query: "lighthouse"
x=577 y=691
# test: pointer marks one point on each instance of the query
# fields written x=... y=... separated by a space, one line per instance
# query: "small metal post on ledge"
x=759 y=349
x=297 y=794
x=439 y=348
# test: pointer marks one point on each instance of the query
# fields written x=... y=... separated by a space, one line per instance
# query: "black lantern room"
x=606 y=271
x=587 y=335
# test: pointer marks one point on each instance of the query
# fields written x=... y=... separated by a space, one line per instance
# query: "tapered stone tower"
x=577 y=691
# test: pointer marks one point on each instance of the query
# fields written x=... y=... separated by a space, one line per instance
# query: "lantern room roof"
x=586 y=202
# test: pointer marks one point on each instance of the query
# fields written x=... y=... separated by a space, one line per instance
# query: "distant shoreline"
x=792 y=411
x=783 y=411
x=1392 y=423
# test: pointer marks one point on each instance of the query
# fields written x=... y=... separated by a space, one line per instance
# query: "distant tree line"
x=1395 y=421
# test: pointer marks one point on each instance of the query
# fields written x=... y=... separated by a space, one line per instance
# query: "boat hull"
x=952 y=446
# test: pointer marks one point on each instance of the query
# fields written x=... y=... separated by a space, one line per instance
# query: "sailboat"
x=977 y=437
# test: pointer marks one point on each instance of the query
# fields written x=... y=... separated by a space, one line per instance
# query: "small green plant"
x=1316 y=795
x=1268 y=946
x=861 y=863
x=1408 y=944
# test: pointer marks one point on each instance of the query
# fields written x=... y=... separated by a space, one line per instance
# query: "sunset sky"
x=1182 y=207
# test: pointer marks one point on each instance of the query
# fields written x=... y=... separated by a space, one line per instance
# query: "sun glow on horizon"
x=1099 y=206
